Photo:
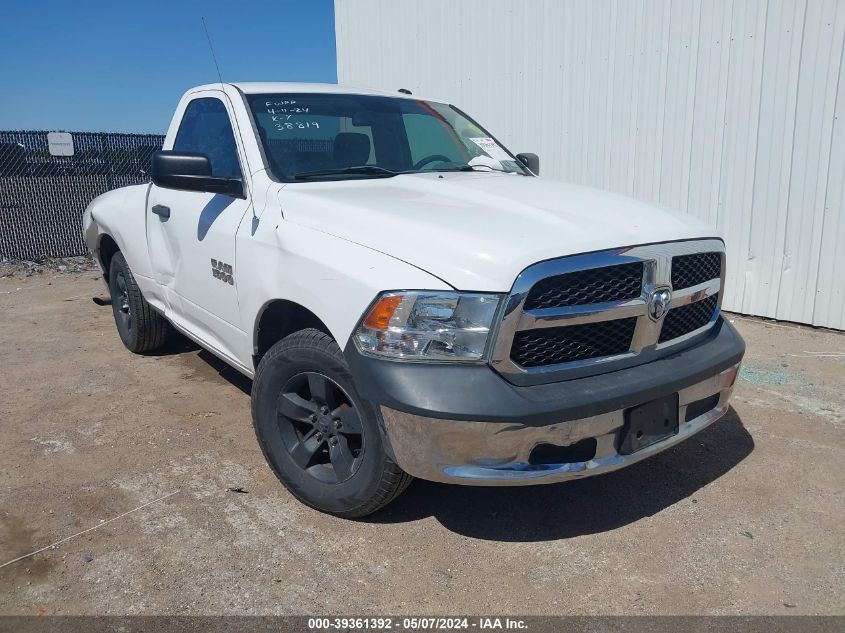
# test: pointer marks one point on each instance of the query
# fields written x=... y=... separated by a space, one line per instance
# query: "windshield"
x=346 y=136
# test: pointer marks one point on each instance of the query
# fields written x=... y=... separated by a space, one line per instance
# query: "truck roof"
x=260 y=87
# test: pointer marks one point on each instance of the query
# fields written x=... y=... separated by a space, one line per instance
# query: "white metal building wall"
x=729 y=110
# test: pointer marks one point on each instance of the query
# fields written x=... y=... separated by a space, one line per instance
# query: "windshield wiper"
x=368 y=170
x=475 y=167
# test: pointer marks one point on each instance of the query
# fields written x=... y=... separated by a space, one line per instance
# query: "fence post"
x=105 y=158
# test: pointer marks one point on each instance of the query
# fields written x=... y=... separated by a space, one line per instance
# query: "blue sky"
x=121 y=65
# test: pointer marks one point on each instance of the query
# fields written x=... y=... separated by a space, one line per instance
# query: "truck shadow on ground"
x=180 y=346
x=584 y=506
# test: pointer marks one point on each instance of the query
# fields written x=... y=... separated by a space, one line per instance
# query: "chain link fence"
x=43 y=196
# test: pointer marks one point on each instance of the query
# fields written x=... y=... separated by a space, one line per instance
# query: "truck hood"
x=478 y=231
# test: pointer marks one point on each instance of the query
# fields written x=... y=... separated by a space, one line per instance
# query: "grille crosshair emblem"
x=658 y=302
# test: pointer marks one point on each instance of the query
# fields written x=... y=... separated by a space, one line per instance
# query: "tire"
x=141 y=328
x=320 y=438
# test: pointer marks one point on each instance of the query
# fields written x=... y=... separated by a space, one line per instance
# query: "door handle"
x=162 y=211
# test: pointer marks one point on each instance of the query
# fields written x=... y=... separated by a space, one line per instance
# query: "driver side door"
x=191 y=234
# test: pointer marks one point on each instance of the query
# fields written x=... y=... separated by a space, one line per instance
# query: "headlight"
x=441 y=326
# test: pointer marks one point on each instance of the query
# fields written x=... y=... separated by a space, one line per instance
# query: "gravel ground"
x=745 y=518
x=16 y=268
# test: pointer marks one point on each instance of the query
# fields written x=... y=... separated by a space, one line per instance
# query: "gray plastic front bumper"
x=466 y=424
x=497 y=453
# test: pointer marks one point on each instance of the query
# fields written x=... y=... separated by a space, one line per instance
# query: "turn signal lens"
x=379 y=317
x=441 y=326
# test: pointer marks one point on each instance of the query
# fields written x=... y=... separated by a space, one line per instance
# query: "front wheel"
x=322 y=441
x=140 y=327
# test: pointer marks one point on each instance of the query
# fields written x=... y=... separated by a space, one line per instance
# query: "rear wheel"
x=322 y=441
x=141 y=328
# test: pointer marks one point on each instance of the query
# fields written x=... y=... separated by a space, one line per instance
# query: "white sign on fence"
x=61 y=143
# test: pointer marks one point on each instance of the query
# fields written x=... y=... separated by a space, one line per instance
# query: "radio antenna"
x=211 y=46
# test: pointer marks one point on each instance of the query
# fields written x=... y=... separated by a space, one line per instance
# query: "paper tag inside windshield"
x=491 y=148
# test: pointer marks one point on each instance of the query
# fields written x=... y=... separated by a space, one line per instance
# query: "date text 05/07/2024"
x=417 y=624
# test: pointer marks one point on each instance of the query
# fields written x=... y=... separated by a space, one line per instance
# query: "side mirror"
x=532 y=161
x=191 y=172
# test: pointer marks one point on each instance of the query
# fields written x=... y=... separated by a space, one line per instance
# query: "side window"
x=206 y=129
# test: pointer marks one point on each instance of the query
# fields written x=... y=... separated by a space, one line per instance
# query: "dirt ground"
x=745 y=518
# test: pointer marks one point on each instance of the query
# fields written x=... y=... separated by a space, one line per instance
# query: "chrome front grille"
x=590 y=313
x=688 y=318
x=552 y=346
x=691 y=270
x=613 y=283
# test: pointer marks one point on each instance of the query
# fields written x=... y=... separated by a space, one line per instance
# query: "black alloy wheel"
x=320 y=427
x=120 y=304
x=323 y=441
x=140 y=327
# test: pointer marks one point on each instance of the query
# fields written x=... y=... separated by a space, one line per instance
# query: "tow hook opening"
x=700 y=407
x=581 y=451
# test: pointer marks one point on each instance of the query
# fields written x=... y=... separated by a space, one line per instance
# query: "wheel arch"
x=106 y=249
x=279 y=318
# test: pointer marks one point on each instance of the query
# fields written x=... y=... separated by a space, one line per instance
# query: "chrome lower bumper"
x=497 y=453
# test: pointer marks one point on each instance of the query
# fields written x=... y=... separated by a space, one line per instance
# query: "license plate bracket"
x=649 y=423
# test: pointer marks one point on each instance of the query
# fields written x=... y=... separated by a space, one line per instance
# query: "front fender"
x=334 y=278
x=120 y=213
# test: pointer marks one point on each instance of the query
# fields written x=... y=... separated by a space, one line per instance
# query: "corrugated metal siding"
x=730 y=110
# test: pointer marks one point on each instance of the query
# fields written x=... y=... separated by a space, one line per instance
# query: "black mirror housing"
x=532 y=161
x=189 y=171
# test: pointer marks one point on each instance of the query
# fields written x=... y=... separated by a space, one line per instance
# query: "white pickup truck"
x=410 y=298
